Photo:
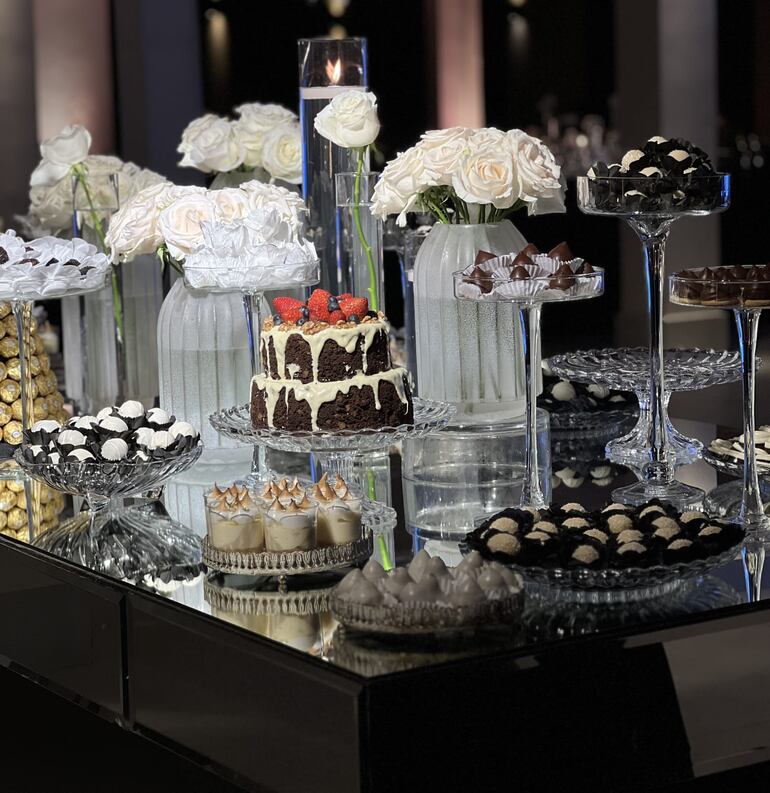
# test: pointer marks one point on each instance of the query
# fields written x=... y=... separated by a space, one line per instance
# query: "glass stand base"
x=676 y=493
x=633 y=449
x=725 y=500
x=128 y=544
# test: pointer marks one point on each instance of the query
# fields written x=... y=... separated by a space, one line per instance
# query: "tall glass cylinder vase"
x=326 y=68
x=204 y=365
x=359 y=238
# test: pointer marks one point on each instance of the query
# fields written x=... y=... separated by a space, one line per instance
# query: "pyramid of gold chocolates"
x=48 y=403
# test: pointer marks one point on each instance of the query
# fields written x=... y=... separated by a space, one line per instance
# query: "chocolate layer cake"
x=328 y=369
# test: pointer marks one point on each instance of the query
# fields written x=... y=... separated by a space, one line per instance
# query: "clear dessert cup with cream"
x=234 y=520
x=745 y=290
x=649 y=189
x=528 y=280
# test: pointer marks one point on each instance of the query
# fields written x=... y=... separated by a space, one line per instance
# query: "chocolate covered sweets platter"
x=617 y=548
x=281 y=528
x=528 y=279
x=688 y=369
x=653 y=186
x=726 y=454
x=427 y=597
x=120 y=452
x=746 y=291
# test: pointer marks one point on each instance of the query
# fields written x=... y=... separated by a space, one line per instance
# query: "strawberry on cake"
x=326 y=366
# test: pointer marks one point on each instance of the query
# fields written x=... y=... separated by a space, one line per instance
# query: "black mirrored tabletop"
x=260 y=685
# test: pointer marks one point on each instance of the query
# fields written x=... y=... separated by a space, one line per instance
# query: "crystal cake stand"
x=688 y=369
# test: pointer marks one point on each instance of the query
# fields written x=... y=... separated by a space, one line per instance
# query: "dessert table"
x=264 y=690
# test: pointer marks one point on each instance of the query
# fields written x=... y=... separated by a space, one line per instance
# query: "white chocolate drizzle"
x=317 y=394
x=347 y=338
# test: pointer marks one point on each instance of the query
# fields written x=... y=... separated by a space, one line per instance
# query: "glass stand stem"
x=531 y=492
x=332 y=463
x=252 y=307
x=658 y=469
x=752 y=510
x=753 y=555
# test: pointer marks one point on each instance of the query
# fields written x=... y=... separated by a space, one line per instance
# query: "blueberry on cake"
x=326 y=365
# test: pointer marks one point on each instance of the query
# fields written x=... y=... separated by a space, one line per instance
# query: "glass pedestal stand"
x=746 y=298
x=627 y=368
x=528 y=295
x=651 y=218
x=126 y=543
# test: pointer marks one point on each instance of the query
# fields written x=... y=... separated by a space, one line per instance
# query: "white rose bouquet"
x=464 y=175
x=179 y=222
x=65 y=157
x=263 y=138
x=350 y=121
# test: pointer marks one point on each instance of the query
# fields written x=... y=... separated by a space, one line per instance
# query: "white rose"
x=255 y=122
x=210 y=144
x=486 y=137
x=231 y=203
x=133 y=228
x=349 y=120
x=59 y=154
x=538 y=174
x=398 y=189
x=179 y=223
x=487 y=176
x=282 y=153
x=52 y=206
x=264 y=196
x=442 y=150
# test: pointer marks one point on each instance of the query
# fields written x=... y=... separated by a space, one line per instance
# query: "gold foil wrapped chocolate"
x=9 y=347
x=10 y=391
x=17 y=518
x=14 y=369
x=12 y=433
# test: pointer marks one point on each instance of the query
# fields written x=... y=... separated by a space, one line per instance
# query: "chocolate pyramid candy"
x=562 y=252
x=585 y=268
x=562 y=279
x=530 y=249
x=481 y=278
x=483 y=256
x=519 y=273
x=522 y=258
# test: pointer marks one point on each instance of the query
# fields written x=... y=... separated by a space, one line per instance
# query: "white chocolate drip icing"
x=347 y=338
x=316 y=394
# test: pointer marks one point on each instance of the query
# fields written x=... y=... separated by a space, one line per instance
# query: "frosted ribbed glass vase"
x=203 y=363
x=467 y=353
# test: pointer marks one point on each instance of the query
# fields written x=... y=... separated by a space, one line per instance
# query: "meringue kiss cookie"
x=80 y=455
x=71 y=438
x=161 y=440
x=105 y=413
x=45 y=426
x=182 y=428
x=113 y=424
x=158 y=417
x=114 y=449
x=143 y=436
x=132 y=409
x=83 y=422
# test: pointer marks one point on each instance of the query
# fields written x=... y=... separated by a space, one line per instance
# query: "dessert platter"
x=281 y=528
x=529 y=279
x=726 y=454
x=427 y=596
x=647 y=548
x=576 y=407
x=650 y=189
x=328 y=385
x=745 y=290
x=688 y=369
x=122 y=451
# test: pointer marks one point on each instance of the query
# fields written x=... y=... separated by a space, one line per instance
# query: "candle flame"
x=334 y=71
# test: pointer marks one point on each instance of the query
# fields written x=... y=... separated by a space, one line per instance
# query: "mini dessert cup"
x=234 y=521
x=291 y=527
x=746 y=291
x=529 y=292
x=651 y=215
x=339 y=521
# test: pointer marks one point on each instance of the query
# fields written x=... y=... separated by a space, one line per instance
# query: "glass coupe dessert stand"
x=627 y=368
x=651 y=216
x=529 y=294
x=298 y=274
x=123 y=543
x=746 y=299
